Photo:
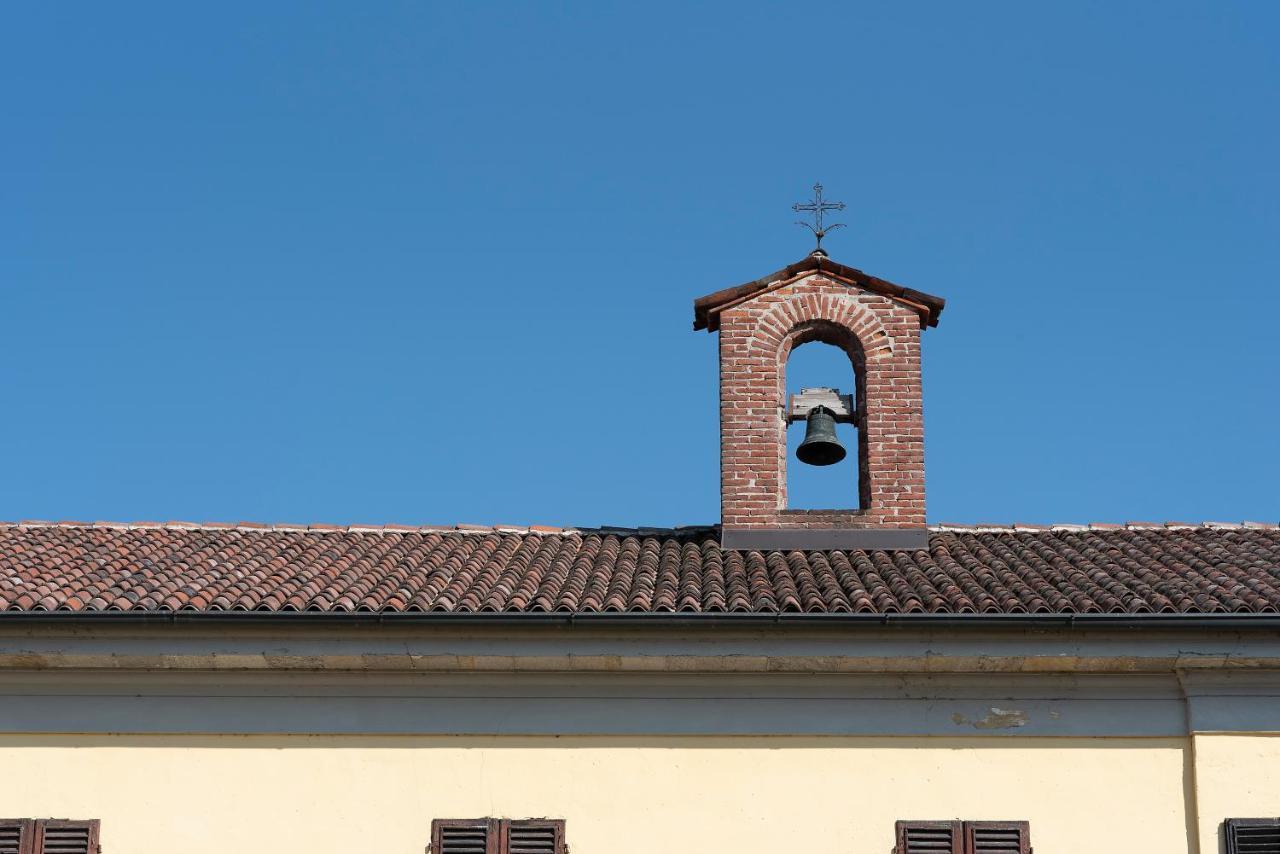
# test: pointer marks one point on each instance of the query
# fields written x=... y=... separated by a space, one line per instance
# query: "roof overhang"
x=707 y=309
x=676 y=620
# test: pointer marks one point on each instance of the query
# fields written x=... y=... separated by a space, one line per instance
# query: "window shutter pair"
x=496 y=836
x=1252 y=835
x=963 y=837
x=48 y=836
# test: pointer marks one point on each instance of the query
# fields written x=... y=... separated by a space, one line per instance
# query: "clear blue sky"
x=434 y=262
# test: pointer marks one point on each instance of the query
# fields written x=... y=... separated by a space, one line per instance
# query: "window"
x=495 y=836
x=48 y=836
x=1250 y=835
x=963 y=837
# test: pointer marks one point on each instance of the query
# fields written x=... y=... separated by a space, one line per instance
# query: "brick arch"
x=778 y=328
x=843 y=338
x=844 y=322
x=822 y=332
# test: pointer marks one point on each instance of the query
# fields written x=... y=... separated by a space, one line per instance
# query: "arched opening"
x=835 y=360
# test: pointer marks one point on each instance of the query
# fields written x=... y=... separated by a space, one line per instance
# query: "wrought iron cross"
x=818 y=206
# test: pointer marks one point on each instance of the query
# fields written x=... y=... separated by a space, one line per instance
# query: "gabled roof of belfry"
x=706 y=310
x=64 y=569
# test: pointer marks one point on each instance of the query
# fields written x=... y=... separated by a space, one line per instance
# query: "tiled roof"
x=1123 y=569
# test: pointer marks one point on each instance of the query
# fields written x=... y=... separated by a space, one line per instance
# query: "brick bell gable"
x=877 y=324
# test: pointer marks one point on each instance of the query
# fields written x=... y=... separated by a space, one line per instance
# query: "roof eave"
x=706 y=309
x=621 y=619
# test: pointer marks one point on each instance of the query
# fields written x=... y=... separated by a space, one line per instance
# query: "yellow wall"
x=1237 y=776
x=214 y=794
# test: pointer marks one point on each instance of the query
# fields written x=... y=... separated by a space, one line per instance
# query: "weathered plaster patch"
x=1002 y=719
x=994 y=719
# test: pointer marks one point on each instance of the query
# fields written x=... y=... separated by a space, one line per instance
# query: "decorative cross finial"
x=818 y=207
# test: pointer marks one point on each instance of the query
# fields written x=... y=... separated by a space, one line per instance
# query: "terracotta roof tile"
x=1121 y=569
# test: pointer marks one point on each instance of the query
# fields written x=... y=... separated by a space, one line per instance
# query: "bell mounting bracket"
x=809 y=399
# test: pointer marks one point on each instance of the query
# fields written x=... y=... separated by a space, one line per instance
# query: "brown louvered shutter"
x=997 y=837
x=497 y=836
x=48 y=836
x=16 y=835
x=464 y=836
x=66 y=837
x=534 y=836
x=928 y=837
x=1252 y=835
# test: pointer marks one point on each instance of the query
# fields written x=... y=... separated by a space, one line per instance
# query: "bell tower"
x=877 y=324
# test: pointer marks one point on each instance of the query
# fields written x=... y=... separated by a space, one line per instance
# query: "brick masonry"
x=882 y=339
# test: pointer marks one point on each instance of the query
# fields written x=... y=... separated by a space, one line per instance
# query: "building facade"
x=846 y=680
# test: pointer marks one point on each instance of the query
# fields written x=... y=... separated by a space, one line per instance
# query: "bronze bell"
x=821 y=446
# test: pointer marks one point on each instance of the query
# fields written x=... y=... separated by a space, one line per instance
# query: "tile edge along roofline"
x=1091 y=574
x=1181 y=621
x=607 y=530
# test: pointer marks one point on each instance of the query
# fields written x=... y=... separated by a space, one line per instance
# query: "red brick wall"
x=882 y=338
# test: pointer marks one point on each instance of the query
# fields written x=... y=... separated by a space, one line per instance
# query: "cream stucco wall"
x=621 y=795
x=1237 y=776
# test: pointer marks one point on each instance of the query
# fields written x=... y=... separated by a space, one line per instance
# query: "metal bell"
x=821 y=446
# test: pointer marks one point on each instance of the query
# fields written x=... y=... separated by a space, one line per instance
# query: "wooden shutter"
x=929 y=837
x=1250 y=835
x=997 y=837
x=964 y=837
x=66 y=837
x=534 y=836
x=16 y=835
x=464 y=836
x=48 y=836
x=497 y=836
